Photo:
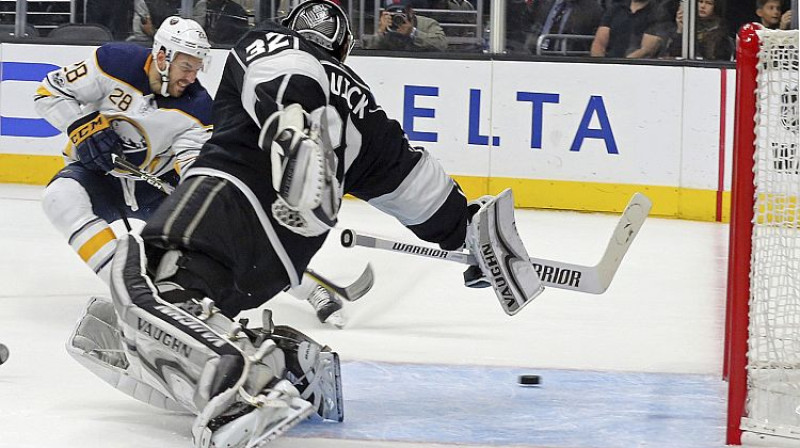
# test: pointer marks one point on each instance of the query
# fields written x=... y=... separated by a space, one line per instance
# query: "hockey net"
x=763 y=318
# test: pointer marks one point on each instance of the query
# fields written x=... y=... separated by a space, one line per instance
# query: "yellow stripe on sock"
x=94 y=244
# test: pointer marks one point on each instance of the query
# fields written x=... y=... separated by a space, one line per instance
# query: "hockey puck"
x=3 y=353
x=529 y=380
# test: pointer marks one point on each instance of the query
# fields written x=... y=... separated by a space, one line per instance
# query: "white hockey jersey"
x=159 y=133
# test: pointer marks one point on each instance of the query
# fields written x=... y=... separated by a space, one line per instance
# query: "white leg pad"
x=96 y=344
x=493 y=239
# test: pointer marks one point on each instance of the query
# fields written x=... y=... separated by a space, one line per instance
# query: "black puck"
x=529 y=380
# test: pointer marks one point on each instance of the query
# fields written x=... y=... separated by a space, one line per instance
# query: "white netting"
x=773 y=397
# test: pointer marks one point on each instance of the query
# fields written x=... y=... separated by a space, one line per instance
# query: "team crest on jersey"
x=135 y=144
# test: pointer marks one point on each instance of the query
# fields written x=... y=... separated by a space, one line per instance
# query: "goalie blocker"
x=500 y=254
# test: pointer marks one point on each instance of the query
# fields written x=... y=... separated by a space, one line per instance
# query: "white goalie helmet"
x=179 y=35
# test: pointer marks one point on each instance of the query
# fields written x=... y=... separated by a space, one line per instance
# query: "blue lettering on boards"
x=410 y=112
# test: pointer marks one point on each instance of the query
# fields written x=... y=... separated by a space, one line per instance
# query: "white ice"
x=664 y=312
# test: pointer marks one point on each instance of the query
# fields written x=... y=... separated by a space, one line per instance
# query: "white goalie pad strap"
x=186 y=357
x=493 y=239
x=97 y=345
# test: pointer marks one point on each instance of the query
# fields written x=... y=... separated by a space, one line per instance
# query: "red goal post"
x=762 y=334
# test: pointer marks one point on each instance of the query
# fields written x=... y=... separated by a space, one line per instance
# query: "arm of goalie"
x=96 y=344
x=500 y=254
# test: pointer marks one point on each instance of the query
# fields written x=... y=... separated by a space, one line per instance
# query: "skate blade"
x=277 y=429
x=337 y=319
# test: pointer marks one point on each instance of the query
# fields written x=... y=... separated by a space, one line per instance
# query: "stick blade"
x=352 y=292
x=628 y=227
x=361 y=286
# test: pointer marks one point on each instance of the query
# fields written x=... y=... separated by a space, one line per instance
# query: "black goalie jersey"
x=274 y=67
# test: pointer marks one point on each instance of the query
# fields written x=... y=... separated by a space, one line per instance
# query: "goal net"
x=763 y=326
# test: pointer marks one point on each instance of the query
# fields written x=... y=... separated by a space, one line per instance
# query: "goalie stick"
x=350 y=293
x=556 y=274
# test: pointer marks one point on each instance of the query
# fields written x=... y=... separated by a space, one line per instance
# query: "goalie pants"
x=227 y=254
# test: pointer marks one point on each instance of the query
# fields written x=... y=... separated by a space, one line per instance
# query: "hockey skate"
x=328 y=307
x=253 y=423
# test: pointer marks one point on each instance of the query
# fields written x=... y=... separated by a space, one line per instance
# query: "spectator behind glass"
x=455 y=5
x=711 y=35
x=576 y=17
x=225 y=21
x=400 y=29
x=113 y=14
x=629 y=30
x=148 y=12
x=769 y=11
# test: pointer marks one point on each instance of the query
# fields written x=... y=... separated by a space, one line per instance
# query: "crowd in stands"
x=651 y=29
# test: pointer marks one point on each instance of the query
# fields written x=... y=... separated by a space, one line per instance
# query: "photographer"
x=400 y=29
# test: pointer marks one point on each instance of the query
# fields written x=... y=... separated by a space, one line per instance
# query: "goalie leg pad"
x=175 y=349
x=493 y=239
x=202 y=359
x=96 y=344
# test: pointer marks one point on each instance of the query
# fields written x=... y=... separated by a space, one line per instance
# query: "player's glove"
x=95 y=141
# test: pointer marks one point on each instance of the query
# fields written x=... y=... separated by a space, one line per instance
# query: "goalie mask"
x=179 y=35
x=324 y=24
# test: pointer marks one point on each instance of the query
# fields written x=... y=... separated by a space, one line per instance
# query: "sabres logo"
x=135 y=144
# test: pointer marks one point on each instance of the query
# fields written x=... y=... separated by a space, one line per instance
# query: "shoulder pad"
x=195 y=102
x=270 y=40
x=124 y=62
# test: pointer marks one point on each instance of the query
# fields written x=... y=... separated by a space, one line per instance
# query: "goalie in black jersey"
x=294 y=130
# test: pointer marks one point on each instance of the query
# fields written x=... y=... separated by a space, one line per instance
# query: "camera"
x=398 y=19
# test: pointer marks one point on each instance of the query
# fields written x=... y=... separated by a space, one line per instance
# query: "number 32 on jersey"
x=271 y=43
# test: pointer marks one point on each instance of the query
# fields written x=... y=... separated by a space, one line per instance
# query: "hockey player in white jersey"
x=295 y=129
x=147 y=106
x=125 y=100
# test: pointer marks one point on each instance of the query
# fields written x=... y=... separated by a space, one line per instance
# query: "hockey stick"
x=351 y=292
x=124 y=165
x=556 y=274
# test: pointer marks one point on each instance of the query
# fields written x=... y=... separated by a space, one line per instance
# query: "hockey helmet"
x=324 y=24
x=179 y=35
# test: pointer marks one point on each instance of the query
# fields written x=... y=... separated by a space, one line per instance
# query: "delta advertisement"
x=562 y=135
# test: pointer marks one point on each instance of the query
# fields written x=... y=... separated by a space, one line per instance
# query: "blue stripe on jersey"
x=195 y=101
x=125 y=62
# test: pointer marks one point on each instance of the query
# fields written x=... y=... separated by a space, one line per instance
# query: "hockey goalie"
x=294 y=130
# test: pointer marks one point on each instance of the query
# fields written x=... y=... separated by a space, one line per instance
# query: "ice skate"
x=328 y=307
